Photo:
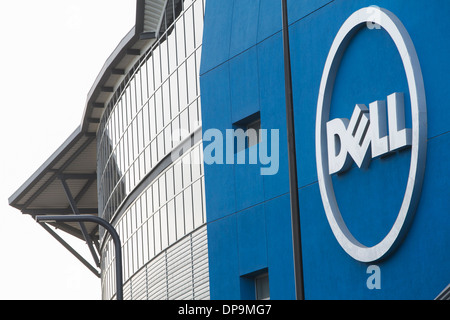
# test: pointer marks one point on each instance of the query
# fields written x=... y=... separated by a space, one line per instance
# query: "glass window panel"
x=149 y=193
x=134 y=134
x=144 y=82
x=169 y=183
x=197 y=203
x=137 y=172
x=151 y=238
x=132 y=220
x=188 y=214
x=148 y=159
x=152 y=118
x=135 y=252
x=162 y=189
x=131 y=177
x=166 y=102
x=203 y=199
x=184 y=123
x=157 y=67
x=139 y=131
x=139 y=94
x=195 y=163
x=164 y=60
x=126 y=262
x=128 y=105
x=138 y=213
x=157 y=228
x=164 y=230
x=176 y=131
x=182 y=86
x=172 y=43
x=145 y=125
x=186 y=161
x=171 y=221
x=154 y=153
x=139 y=248
x=155 y=189
x=178 y=177
x=179 y=212
x=145 y=242
x=143 y=200
x=159 y=111
x=198 y=22
x=168 y=138
x=174 y=94
x=133 y=101
x=122 y=115
x=192 y=78
x=150 y=76
x=127 y=226
x=189 y=30
x=160 y=143
x=142 y=163
x=194 y=116
x=181 y=47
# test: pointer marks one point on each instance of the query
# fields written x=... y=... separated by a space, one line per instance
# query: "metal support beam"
x=86 y=235
x=293 y=183
x=109 y=228
x=71 y=250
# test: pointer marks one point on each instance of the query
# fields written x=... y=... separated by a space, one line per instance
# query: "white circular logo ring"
x=393 y=26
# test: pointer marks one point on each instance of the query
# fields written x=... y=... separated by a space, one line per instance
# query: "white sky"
x=50 y=53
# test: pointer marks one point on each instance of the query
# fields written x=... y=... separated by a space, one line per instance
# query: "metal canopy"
x=66 y=184
x=74 y=164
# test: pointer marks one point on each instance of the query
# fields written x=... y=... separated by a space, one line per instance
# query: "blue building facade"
x=248 y=214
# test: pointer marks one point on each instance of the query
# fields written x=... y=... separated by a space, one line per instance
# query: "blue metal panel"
x=299 y=9
x=215 y=88
x=249 y=184
x=368 y=198
x=222 y=251
x=269 y=19
x=217 y=33
x=279 y=248
x=273 y=110
x=251 y=229
x=244 y=85
x=245 y=25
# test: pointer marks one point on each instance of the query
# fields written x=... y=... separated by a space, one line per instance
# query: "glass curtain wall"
x=151 y=113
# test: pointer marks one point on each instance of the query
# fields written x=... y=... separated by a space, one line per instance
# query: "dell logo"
x=365 y=135
x=371 y=132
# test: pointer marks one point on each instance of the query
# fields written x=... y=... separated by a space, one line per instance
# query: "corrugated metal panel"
x=179 y=273
x=153 y=14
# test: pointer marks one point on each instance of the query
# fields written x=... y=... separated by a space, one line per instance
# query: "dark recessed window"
x=252 y=128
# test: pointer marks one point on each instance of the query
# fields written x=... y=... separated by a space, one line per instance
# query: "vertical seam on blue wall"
x=257 y=26
x=231 y=31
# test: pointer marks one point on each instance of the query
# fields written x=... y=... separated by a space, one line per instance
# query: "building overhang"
x=73 y=165
x=67 y=182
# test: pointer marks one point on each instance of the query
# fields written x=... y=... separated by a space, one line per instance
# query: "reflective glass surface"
x=155 y=108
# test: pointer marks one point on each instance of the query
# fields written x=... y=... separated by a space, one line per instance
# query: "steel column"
x=86 y=235
x=114 y=235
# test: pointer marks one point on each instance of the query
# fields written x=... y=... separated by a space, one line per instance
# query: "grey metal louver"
x=444 y=295
x=153 y=14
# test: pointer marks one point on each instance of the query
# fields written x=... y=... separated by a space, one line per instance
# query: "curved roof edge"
x=149 y=14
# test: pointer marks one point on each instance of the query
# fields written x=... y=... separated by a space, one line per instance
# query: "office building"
x=183 y=148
